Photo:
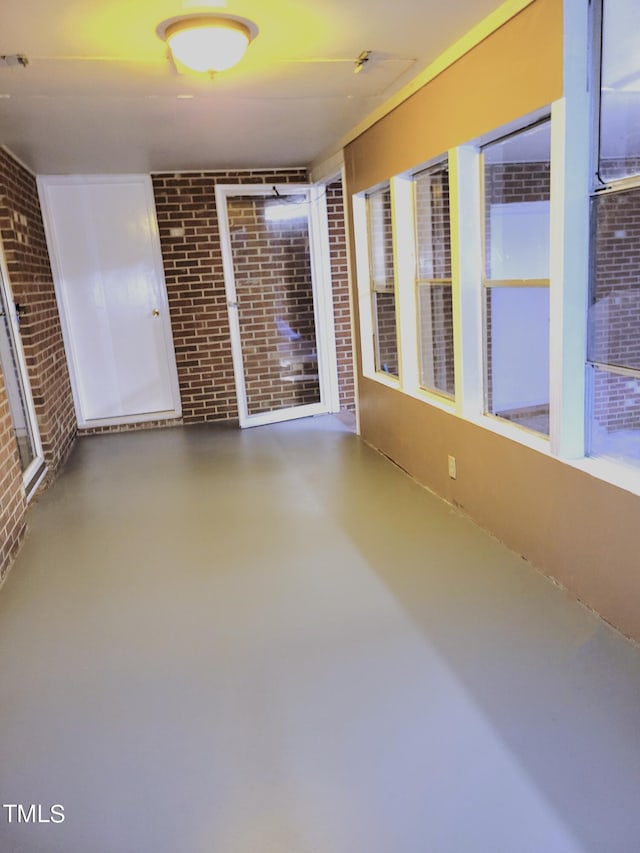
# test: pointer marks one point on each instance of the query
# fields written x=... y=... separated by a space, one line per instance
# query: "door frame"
x=37 y=468
x=322 y=300
x=46 y=181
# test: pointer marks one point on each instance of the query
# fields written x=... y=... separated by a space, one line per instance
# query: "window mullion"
x=363 y=272
x=405 y=266
x=569 y=261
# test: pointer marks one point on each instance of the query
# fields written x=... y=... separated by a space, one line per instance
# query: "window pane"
x=614 y=326
x=380 y=239
x=435 y=314
x=435 y=309
x=615 y=416
x=620 y=91
x=276 y=316
x=382 y=281
x=517 y=352
x=516 y=191
x=385 y=333
x=614 y=316
x=432 y=224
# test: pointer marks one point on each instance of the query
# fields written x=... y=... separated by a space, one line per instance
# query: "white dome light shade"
x=208 y=42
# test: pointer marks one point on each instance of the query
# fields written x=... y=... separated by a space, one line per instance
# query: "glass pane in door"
x=16 y=391
x=274 y=290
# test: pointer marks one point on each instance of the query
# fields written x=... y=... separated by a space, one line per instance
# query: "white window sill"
x=446 y=404
x=383 y=378
x=618 y=474
x=521 y=435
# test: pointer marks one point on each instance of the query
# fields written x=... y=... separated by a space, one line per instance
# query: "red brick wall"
x=195 y=286
x=386 y=332
x=435 y=327
x=25 y=250
x=340 y=285
x=135 y=427
x=185 y=204
x=12 y=502
x=615 y=407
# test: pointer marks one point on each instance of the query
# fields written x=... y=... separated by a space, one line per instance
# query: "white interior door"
x=107 y=265
x=278 y=287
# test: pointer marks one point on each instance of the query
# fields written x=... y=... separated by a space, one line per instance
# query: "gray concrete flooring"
x=274 y=641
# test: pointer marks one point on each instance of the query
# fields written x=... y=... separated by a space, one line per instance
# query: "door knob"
x=155 y=312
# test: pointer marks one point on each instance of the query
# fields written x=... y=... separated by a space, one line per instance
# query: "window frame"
x=365 y=291
x=376 y=289
x=438 y=164
x=489 y=284
x=465 y=183
x=600 y=188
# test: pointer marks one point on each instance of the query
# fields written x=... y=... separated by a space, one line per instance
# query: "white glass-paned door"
x=282 y=357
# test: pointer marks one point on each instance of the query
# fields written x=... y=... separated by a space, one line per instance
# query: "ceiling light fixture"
x=208 y=43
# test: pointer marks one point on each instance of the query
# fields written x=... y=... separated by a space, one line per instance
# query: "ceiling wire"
x=286 y=199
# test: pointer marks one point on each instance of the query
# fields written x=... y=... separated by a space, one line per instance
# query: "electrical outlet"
x=452 y=467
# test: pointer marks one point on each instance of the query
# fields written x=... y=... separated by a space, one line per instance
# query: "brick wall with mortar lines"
x=12 y=501
x=275 y=306
x=341 y=304
x=386 y=332
x=23 y=241
x=25 y=249
x=506 y=183
x=137 y=427
x=185 y=204
x=616 y=405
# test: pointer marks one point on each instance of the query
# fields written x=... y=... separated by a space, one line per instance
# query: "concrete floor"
x=273 y=641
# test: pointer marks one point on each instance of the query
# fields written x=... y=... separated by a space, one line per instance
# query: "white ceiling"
x=99 y=94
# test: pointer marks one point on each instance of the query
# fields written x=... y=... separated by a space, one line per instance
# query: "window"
x=382 y=280
x=433 y=280
x=619 y=91
x=516 y=172
x=614 y=307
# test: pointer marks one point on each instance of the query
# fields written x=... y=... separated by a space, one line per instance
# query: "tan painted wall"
x=575 y=528
x=516 y=70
